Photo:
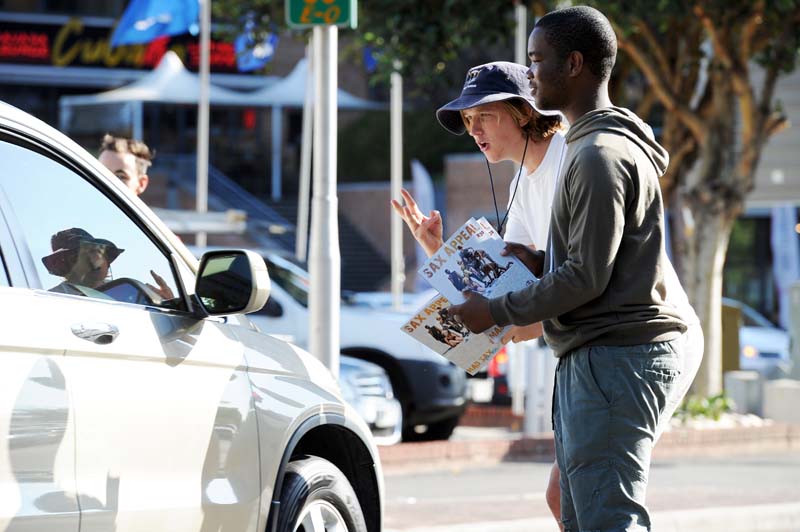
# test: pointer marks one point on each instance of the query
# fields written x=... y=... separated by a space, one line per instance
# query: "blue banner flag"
x=146 y=20
x=252 y=55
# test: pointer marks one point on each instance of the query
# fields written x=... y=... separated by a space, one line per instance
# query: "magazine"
x=469 y=260
x=432 y=327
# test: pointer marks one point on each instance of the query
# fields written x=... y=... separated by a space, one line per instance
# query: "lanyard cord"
x=500 y=224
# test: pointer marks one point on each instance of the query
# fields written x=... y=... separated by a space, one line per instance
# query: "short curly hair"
x=582 y=29
x=144 y=155
x=538 y=126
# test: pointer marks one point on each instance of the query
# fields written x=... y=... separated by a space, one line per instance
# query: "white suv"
x=431 y=390
x=134 y=395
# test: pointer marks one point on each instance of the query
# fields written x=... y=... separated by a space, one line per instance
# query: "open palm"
x=427 y=230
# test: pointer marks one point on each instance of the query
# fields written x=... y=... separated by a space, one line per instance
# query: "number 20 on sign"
x=309 y=13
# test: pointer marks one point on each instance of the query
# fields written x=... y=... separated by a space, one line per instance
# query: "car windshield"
x=290 y=278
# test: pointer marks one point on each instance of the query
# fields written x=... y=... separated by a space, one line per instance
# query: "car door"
x=37 y=428
x=165 y=436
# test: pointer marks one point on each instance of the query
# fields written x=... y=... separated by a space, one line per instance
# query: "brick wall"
x=468 y=190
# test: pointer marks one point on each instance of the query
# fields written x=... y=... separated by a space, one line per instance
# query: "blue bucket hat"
x=492 y=82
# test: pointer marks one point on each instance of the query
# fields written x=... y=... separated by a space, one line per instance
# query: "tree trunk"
x=715 y=198
x=704 y=264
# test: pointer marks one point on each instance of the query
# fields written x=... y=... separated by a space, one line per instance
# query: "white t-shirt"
x=529 y=214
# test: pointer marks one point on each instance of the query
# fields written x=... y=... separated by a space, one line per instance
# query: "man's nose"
x=474 y=128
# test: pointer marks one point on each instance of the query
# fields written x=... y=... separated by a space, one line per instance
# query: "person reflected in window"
x=82 y=260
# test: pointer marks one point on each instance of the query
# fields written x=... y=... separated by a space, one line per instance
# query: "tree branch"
x=660 y=87
x=654 y=46
x=747 y=38
x=776 y=123
x=645 y=105
x=720 y=50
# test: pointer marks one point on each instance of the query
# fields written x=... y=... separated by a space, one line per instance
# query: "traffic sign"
x=309 y=13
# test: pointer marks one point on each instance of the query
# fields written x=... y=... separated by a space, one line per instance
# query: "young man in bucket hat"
x=515 y=131
x=606 y=291
x=496 y=109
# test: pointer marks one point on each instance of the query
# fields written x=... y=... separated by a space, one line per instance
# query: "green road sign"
x=308 y=13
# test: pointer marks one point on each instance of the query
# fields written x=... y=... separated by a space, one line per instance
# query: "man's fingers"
x=158 y=279
x=409 y=199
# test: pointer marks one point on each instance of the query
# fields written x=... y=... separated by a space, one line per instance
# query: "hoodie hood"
x=621 y=121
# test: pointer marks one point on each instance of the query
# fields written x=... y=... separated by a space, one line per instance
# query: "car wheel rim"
x=321 y=516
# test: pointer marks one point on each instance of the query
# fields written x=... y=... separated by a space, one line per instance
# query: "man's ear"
x=144 y=180
x=574 y=64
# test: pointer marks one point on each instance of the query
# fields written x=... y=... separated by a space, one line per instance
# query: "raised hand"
x=163 y=289
x=427 y=230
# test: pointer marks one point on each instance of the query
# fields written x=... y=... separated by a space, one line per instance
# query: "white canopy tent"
x=169 y=82
x=290 y=92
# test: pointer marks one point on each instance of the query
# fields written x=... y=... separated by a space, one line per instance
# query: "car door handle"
x=98 y=333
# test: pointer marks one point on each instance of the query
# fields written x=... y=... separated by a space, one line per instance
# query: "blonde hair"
x=144 y=155
x=538 y=126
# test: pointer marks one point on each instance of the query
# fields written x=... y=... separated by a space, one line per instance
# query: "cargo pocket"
x=609 y=497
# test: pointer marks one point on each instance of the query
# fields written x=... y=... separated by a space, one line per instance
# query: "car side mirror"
x=231 y=282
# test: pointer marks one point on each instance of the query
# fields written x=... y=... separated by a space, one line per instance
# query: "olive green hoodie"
x=605 y=262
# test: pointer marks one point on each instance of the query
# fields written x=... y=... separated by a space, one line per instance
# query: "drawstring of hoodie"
x=500 y=223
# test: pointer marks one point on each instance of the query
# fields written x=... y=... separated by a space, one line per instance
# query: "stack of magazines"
x=469 y=260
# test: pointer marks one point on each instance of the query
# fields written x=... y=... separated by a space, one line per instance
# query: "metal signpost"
x=324 y=262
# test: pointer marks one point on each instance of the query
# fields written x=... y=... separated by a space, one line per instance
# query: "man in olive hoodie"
x=602 y=295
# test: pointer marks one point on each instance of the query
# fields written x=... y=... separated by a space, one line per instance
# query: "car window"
x=82 y=243
x=3 y=274
x=295 y=284
x=751 y=318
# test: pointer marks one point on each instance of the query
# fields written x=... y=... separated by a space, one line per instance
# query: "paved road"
x=744 y=494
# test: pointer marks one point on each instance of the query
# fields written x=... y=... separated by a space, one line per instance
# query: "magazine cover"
x=431 y=326
x=470 y=260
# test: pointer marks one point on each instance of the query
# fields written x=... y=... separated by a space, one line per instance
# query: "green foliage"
x=364 y=145
x=694 y=407
x=419 y=37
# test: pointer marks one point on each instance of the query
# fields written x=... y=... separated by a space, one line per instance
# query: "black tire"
x=312 y=484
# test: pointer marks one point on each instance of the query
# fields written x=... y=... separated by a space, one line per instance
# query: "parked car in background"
x=431 y=390
x=367 y=387
x=134 y=393
x=763 y=347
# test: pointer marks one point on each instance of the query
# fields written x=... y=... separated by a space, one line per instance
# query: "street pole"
x=301 y=236
x=276 y=117
x=524 y=398
x=324 y=258
x=521 y=33
x=396 y=178
x=203 y=117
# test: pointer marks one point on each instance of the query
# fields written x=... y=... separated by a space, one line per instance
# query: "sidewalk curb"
x=761 y=517
x=679 y=442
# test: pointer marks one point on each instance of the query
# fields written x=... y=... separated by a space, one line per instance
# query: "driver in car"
x=82 y=260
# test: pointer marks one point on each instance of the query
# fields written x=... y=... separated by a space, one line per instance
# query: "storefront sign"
x=76 y=44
